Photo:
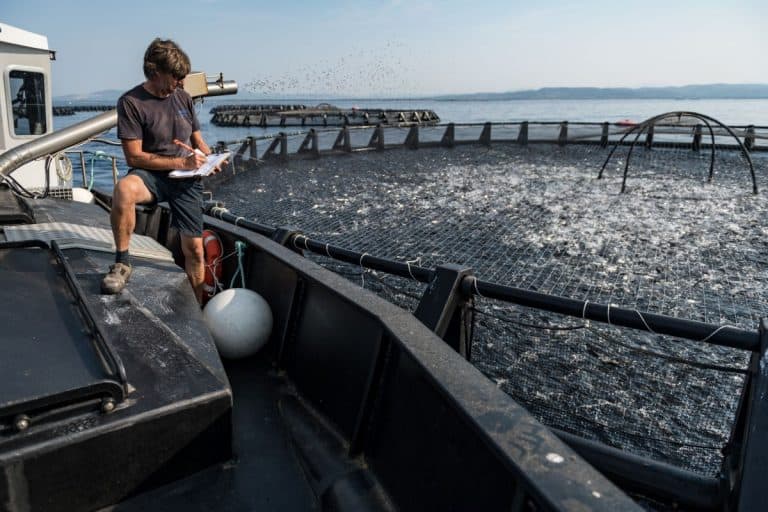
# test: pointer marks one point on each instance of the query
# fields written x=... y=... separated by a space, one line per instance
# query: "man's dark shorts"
x=184 y=196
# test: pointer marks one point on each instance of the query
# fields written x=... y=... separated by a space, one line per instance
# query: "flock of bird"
x=382 y=73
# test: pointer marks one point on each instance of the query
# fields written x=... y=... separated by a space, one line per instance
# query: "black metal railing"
x=316 y=142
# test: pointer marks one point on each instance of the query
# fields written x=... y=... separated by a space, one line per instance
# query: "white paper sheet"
x=213 y=160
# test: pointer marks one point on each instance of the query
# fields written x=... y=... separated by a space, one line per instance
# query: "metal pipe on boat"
x=221 y=87
x=56 y=141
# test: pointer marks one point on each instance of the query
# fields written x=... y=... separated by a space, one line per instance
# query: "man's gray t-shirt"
x=156 y=121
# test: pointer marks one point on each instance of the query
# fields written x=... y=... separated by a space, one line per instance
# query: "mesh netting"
x=536 y=217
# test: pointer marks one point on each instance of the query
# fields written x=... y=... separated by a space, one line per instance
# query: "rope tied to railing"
x=240 y=251
x=417 y=262
x=363 y=270
x=584 y=313
x=96 y=155
x=477 y=290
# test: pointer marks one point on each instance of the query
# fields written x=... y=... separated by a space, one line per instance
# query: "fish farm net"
x=536 y=217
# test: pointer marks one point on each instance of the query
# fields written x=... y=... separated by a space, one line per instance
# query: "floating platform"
x=320 y=115
x=70 y=110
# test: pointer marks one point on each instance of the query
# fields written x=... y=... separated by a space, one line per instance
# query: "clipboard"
x=213 y=160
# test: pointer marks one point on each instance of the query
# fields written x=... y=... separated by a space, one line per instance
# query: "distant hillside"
x=685 y=92
x=107 y=97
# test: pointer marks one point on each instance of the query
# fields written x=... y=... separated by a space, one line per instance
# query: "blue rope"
x=240 y=248
x=96 y=155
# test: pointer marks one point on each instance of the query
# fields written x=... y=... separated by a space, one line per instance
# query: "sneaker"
x=116 y=279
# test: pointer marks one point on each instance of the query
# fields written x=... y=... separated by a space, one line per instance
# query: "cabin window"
x=27 y=102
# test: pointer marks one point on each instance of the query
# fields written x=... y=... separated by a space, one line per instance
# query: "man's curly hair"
x=165 y=56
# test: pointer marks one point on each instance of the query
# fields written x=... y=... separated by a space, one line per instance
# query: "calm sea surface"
x=732 y=112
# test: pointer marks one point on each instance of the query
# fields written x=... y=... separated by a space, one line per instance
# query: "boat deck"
x=264 y=474
x=283 y=457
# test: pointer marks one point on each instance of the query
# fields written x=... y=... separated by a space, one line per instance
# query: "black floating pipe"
x=302 y=242
x=726 y=336
x=223 y=214
x=417 y=273
x=647 y=476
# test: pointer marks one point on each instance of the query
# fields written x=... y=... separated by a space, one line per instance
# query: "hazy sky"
x=406 y=48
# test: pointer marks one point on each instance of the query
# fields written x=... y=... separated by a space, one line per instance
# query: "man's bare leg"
x=128 y=192
x=194 y=263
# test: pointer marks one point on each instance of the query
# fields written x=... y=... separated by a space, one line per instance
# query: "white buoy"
x=240 y=321
x=82 y=195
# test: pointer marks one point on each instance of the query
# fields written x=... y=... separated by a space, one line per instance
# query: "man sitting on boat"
x=151 y=120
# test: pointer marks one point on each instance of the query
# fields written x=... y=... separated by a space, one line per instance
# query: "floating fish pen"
x=70 y=110
x=620 y=297
x=321 y=115
x=259 y=108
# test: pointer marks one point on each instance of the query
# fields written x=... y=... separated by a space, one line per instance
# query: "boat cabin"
x=25 y=99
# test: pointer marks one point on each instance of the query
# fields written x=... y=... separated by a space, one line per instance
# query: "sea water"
x=731 y=112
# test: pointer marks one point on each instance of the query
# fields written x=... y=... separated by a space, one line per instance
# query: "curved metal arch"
x=661 y=117
x=744 y=150
x=641 y=127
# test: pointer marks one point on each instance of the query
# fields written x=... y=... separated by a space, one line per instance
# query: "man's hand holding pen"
x=196 y=158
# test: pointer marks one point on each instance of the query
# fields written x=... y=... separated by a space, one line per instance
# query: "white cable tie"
x=238 y=219
x=584 y=310
x=645 y=323
x=477 y=290
x=296 y=238
x=362 y=274
x=327 y=252
x=714 y=332
x=408 y=263
x=609 y=313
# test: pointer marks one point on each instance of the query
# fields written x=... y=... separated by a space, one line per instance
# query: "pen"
x=188 y=148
